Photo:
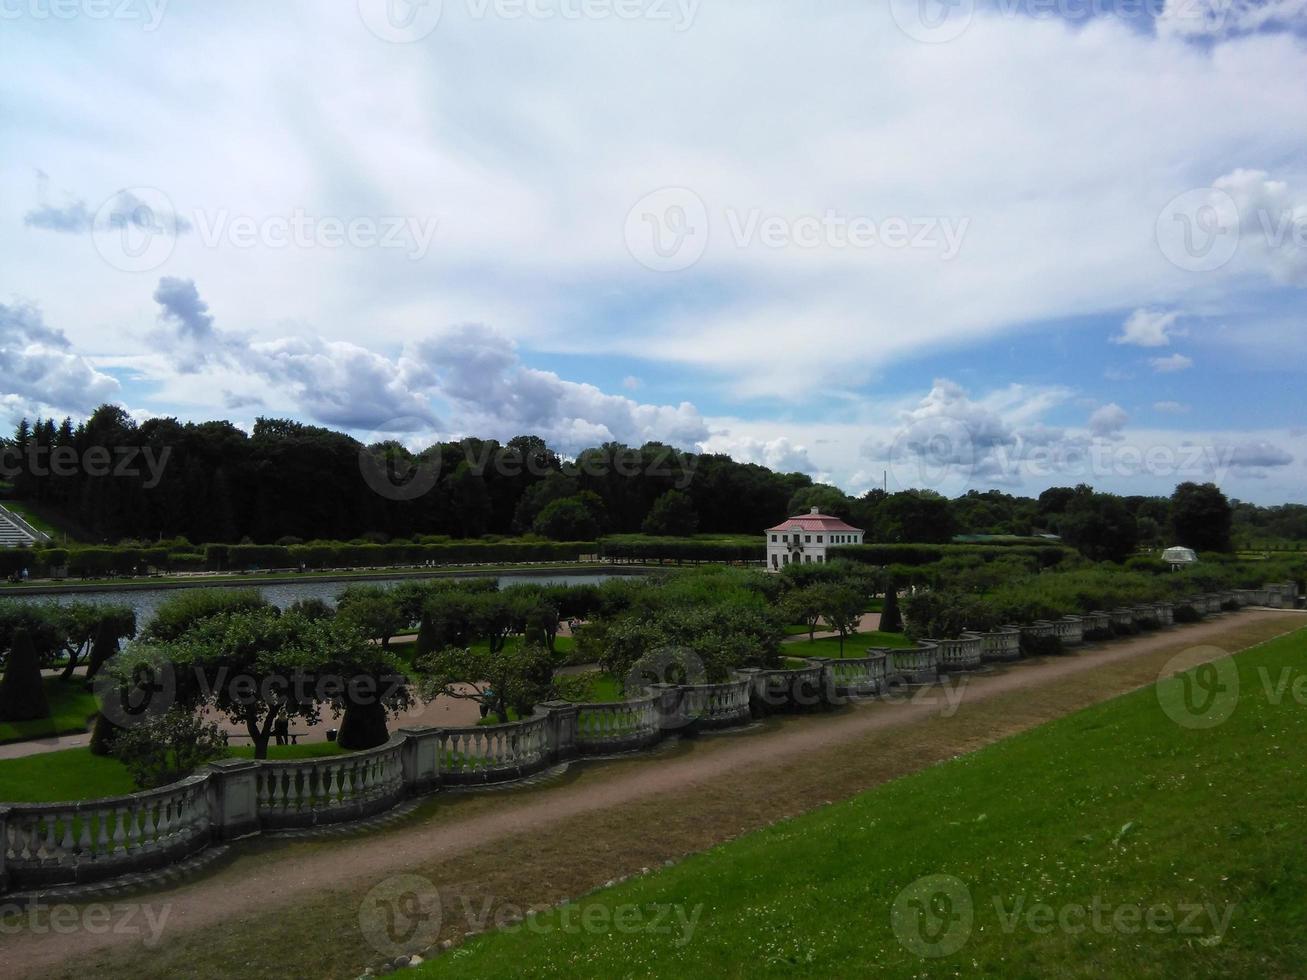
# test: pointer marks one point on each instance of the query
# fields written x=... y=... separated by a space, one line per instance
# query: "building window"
x=773 y=539
x=819 y=539
x=774 y=563
x=807 y=539
x=807 y=559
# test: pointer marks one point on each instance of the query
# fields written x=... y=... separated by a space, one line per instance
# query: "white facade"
x=806 y=539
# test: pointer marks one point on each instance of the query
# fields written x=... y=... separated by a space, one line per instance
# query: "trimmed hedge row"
x=681 y=550
x=926 y=554
x=103 y=562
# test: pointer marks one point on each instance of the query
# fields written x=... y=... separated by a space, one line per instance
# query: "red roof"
x=814 y=522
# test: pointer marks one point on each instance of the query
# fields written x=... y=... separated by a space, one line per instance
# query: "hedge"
x=925 y=554
x=106 y=562
x=680 y=550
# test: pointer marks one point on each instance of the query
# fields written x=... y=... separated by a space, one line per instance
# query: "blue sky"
x=1005 y=243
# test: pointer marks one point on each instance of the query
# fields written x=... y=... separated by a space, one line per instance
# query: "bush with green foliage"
x=22 y=692
x=170 y=747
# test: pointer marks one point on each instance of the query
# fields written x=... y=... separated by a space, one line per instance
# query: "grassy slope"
x=71 y=705
x=1116 y=803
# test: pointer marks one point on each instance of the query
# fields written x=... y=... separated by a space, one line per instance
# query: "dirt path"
x=539 y=845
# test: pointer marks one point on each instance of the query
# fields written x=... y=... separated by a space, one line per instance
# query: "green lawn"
x=1111 y=843
x=56 y=777
x=71 y=705
x=76 y=774
x=855 y=646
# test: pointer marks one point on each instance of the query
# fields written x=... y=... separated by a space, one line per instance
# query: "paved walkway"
x=698 y=795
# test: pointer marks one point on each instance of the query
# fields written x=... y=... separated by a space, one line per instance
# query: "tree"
x=891 y=619
x=515 y=678
x=915 y=517
x=185 y=610
x=257 y=666
x=1201 y=517
x=672 y=515
x=826 y=498
x=22 y=693
x=168 y=748
x=805 y=605
x=1101 y=526
x=566 y=520
x=374 y=611
x=841 y=608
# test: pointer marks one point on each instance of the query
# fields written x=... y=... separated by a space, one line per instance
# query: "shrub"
x=168 y=748
x=22 y=693
x=1186 y=613
x=183 y=611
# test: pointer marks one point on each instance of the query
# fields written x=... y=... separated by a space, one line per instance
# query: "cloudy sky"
x=1006 y=243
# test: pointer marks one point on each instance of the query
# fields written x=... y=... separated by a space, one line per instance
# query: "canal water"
x=281 y=595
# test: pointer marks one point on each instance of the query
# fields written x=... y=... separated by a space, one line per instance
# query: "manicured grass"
x=1110 y=843
x=71 y=706
x=855 y=645
x=76 y=774
x=56 y=777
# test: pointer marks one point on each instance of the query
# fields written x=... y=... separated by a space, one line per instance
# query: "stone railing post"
x=4 y=846
x=757 y=689
x=669 y=707
x=233 y=798
x=560 y=731
x=420 y=757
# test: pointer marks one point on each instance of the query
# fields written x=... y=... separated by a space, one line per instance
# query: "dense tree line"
x=287 y=483
x=212 y=482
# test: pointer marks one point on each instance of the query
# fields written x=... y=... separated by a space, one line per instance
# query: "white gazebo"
x=1178 y=557
x=805 y=539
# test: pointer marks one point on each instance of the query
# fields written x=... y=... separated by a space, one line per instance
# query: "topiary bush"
x=22 y=693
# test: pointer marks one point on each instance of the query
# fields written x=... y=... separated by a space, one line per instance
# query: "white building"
x=805 y=539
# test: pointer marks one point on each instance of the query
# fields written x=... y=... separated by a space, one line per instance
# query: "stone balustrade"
x=1122 y=619
x=622 y=726
x=1002 y=645
x=963 y=653
x=789 y=689
x=306 y=793
x=860 y=677
x=1164 y=613
x=47 y=845
x=709 y=706
x=1097 y=622
x=1145 y=616
x=919 y=664
x=57 y=843
x=1070 y=630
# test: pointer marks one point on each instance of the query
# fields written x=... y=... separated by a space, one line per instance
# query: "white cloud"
x=1148 y=328
x=1227 y=18
x=39 y=372
x=1107 y=421
x=533 y=168
x=1171 y=363
x=1171 y=407
x=1273 y=223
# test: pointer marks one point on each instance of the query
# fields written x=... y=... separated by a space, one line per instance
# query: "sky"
x=956 y=244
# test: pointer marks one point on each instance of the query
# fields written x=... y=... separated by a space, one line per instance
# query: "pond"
x=282 y=594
